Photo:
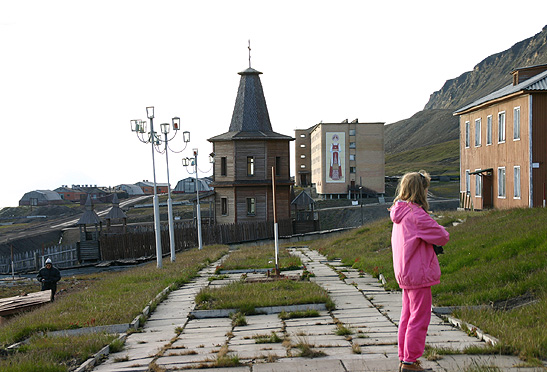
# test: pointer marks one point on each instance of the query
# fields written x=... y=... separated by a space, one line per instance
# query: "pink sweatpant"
x=415 y=318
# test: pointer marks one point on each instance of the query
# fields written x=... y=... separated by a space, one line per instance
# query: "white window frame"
x=478 y=185
x=467 y=181
x=467 y=134
x=516 y=182
x=488 y=130
x=251 y=206
x=478 y=132
x=516 y=123
x=501 y=127
x=501 y=183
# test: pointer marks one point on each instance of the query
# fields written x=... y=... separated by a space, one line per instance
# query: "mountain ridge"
x=436 y=124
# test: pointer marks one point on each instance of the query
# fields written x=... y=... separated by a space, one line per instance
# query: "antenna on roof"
x=249 y=47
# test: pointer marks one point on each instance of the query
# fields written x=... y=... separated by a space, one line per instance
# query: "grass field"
x=108 y=298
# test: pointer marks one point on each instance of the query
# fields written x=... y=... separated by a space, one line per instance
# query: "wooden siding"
x=224 y=149
x=228 y=193
x=539 y=153
x=507 y=154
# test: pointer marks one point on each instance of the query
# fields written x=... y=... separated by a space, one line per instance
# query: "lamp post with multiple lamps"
x=194 y=161
x=139 y=127
x=186 y=137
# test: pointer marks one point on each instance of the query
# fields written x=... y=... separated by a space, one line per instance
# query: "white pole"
x=170 y=207
x=276 y=232
x=200 y=243
x=157 y=227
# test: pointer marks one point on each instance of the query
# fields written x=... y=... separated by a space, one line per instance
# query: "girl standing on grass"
x=415 y=264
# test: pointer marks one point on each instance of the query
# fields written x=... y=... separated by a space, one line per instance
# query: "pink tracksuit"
x=416 y=270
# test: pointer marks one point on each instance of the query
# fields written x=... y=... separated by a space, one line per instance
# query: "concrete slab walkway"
x=171 y=341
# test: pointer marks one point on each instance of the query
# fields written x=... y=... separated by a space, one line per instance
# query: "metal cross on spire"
x=249 y=47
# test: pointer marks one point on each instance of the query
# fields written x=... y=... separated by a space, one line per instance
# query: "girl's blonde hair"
x=413 y=187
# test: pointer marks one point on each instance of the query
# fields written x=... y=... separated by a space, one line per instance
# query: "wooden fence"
x=62 y=256
x=140 y=242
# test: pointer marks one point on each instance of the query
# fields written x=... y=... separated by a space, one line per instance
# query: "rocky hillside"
x=490 y=74
x=425 y=128
x=435 y=124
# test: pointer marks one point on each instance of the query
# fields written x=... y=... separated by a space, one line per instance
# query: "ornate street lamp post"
x=139 y=127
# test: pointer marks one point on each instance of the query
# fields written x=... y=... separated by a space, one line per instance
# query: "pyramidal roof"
x=250 y=119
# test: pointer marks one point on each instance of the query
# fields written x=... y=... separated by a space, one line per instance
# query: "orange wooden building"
x=503 y=155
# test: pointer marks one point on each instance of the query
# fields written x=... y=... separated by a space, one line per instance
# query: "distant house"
x=131 y=190
x=41 y=197
x=503 y=161
x=148 y=187
x=188 y=185
x=67 y=193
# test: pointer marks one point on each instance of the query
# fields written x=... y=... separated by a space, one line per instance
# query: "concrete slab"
x=476 y=362
x=301 y=365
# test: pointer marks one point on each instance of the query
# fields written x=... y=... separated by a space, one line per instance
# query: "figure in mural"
x=335 y=172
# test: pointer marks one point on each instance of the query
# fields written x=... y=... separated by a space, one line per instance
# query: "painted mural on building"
x=335 y=142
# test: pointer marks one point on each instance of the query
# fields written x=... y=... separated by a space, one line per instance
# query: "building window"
x=477 y=132
x=516 y=123
x=223 y=166
x=478 y=184
x=501 y=182
x=302 y=145
x=251 y=206
x=467 y=130
x=302 y=166
x=302 y=136
x=250 y=166
x=352 y=169
x=352 y=157
x=467 y=181
x=489 y=130
x=302 y=156
x=501 y=127
x=352 y=145
x=224 y=206
x=516 y=182
x=352 y=132
x=278 y=165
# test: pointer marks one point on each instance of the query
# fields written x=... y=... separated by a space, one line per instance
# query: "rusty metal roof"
x=535 y=83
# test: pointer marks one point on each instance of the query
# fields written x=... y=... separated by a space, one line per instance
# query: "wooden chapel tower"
x=244 y=157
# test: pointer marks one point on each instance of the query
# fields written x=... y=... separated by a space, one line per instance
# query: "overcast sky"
x=73 y=73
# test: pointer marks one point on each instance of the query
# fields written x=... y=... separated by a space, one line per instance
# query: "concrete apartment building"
x=503 y=157
x=339 y=158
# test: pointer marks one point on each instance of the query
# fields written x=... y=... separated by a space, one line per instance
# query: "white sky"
x=73 y=73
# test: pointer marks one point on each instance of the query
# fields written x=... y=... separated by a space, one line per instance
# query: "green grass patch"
x=245 y=297
x=108 y=298
x=260 y=257
x=310 y=313
x=54 y=354
x=272 y=338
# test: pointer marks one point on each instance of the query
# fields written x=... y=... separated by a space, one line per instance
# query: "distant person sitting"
x=48 y=276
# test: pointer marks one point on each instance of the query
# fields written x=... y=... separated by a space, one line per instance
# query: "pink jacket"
x=414 y=233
